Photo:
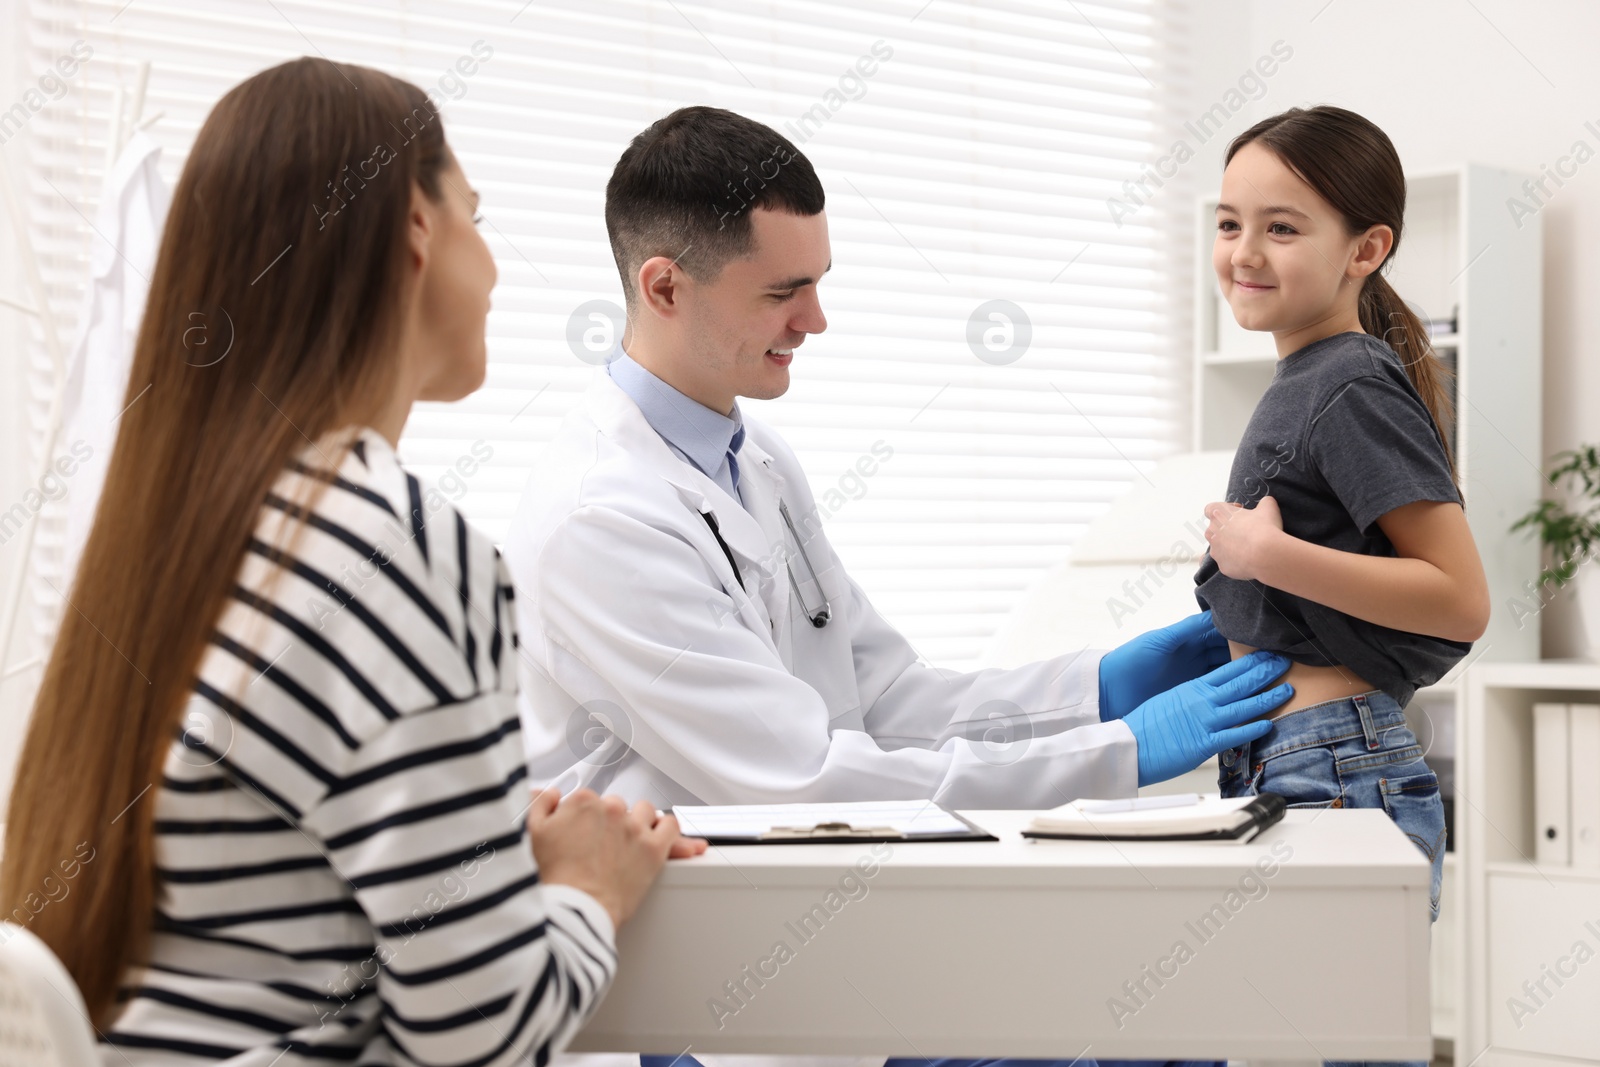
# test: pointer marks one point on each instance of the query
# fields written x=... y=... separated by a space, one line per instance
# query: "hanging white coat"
x=650 y=670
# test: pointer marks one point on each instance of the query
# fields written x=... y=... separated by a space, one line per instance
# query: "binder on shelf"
x=1209 y=818
x=1583 y=784
x=1552 y=794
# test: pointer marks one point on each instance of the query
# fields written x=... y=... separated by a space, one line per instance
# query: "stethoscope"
x=819 y=618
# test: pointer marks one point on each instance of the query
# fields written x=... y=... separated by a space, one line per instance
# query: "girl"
x=278 y=736
x=1343 y=543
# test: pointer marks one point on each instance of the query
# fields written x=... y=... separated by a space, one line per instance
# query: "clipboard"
x=1263 y=811
x=823 y=824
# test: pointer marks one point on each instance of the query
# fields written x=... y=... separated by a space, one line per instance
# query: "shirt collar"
x=703 y=435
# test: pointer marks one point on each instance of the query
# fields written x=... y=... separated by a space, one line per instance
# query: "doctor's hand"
x=597 y=844
x=1183 y=727
x=1154 y=662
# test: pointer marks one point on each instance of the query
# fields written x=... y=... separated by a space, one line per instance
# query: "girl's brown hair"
x=286 y=246
x=1352 y=165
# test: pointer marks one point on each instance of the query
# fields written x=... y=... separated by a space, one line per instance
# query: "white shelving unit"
x=1461 y=257
x=1523 y=921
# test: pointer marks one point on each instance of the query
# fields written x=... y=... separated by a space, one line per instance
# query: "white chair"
x=43 y=1021
x=1132 y=570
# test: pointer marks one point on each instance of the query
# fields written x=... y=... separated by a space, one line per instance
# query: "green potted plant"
x=1569 y=531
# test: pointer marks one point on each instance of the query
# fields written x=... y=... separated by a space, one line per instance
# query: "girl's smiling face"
x=1285 y=259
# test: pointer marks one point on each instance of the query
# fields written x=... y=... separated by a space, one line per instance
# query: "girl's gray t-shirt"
x=1340 y=438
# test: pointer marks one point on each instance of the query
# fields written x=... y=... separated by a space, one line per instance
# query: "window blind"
x=1003 y=352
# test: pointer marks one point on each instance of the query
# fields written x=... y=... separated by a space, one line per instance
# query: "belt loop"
x=1364 y=706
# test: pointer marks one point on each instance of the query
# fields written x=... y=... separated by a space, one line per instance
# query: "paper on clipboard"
x=907 y=819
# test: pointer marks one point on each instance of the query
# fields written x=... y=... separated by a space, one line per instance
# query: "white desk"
x=1022 y=949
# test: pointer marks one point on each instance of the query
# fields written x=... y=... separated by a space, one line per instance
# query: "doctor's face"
x=748 y=323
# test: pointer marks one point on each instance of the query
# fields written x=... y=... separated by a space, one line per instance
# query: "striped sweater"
x=341 y=847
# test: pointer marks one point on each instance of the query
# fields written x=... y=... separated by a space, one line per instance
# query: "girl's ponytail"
x=1353 y=166
x=1385 y=316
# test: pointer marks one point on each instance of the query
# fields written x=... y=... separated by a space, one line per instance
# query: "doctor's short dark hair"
x=685 y=188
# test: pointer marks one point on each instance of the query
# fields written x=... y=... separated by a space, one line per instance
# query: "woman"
x=271 y=806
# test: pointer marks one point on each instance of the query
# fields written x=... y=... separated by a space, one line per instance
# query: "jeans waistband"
x=1348 y=718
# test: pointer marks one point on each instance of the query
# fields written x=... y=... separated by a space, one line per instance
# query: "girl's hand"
x=1243 y=539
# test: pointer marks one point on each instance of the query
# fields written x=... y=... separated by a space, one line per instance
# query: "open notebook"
x=1208 y=817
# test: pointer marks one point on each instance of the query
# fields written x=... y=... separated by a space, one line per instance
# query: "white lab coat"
x=133 y=209
x=630 y=618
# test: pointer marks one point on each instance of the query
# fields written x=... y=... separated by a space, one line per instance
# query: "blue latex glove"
x=1183 y=727
x=1154 y=662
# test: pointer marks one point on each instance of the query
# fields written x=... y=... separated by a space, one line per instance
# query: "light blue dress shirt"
x=707 y=440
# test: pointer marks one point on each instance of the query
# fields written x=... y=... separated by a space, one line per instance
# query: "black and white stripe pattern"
x=340 y=840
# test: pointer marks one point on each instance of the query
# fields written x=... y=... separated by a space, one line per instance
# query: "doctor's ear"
x=659 y=281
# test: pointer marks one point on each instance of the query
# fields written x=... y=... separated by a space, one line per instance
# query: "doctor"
x=691 y=636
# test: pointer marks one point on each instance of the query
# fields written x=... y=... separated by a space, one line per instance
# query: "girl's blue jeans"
x=1356 y=752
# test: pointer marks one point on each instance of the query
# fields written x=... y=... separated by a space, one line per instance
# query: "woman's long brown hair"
x=1353 y=165
x=273 y=319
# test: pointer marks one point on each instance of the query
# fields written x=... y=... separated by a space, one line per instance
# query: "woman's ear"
x=421 y=225
x=1372 y=248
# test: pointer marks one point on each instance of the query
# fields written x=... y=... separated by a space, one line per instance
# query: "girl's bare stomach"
x=1312 y=685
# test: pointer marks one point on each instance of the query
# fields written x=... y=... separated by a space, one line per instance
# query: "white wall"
x=1495 y=82
x=17 y=693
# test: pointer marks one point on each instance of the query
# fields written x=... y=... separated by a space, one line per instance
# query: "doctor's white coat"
x=649 y=672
